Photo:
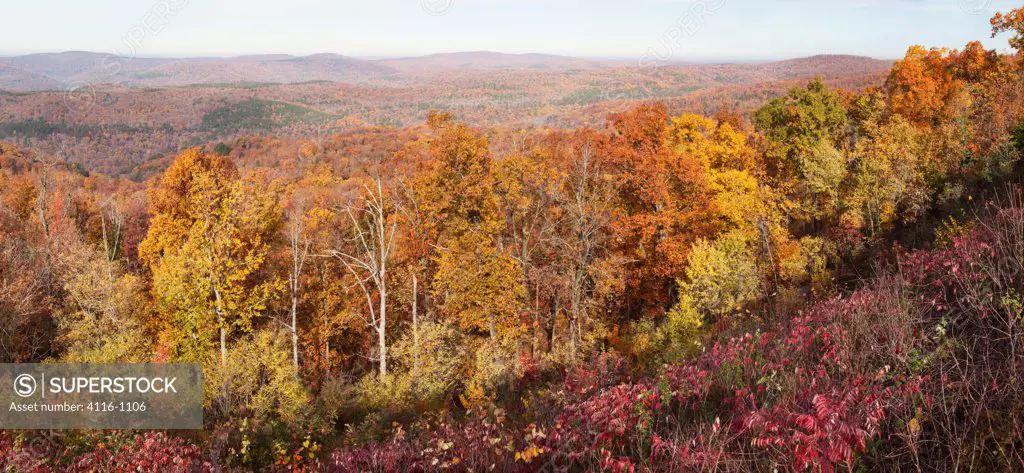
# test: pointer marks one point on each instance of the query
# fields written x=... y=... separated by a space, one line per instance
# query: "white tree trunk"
x=415 y=332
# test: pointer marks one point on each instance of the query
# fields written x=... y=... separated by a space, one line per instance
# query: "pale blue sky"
x=736 y=30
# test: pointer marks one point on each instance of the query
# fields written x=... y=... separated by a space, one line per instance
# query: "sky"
x=679 y=30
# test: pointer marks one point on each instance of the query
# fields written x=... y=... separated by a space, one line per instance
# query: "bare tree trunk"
x=295 y=335
x=383 y=247
x=382 y=331
x=223 y=345
x=549 y=325
x=110 y=248
x=383 y=362
x=106 y=245
x=222 y=322
x=300 y=250
x=44 y=186
x=415 y=331
x=327 y=325
x=374 y=238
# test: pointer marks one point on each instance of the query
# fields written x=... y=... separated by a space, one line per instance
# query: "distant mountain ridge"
x=485 y=60
x=52 y=71
x=75 y=67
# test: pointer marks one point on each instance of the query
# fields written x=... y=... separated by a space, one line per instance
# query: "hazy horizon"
x=680 y=60
x=669 y=30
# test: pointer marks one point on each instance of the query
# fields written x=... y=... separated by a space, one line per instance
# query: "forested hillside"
x=116 y=128
x=829 y=280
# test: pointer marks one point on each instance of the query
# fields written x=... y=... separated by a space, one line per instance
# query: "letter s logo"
x=25 y=385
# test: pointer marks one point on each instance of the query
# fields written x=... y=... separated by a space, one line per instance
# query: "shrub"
x=152 y=452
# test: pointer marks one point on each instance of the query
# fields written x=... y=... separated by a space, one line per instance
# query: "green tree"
x=803 y=128
x=798 y=122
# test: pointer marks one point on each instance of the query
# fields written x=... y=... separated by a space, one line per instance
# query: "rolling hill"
x=58 y=70
x=156 y=106
x=488 y=60
x=54 y=71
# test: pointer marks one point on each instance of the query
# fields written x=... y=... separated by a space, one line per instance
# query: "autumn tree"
x=103 y=322
x=529 y=191
x=721 y=276
x=743 y=202
x=727 y=270
x=206 y=247
x=921 y=86
x=28 y=286
x=25 y=298
x=718 y=145
x=308 y=216
x=663 y=204
x=799 y=121
x=1010 y=22
x=584 y=237
x=368 y=256
x=476 y=283
x=804 y=130
x=888 y=181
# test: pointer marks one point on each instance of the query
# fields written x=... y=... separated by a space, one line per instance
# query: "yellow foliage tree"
x=104 y=321
x=206 y=247
x=258 y=381
x=888 y=180
x=480 y=286
x=722 y=276
x=476 y=283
